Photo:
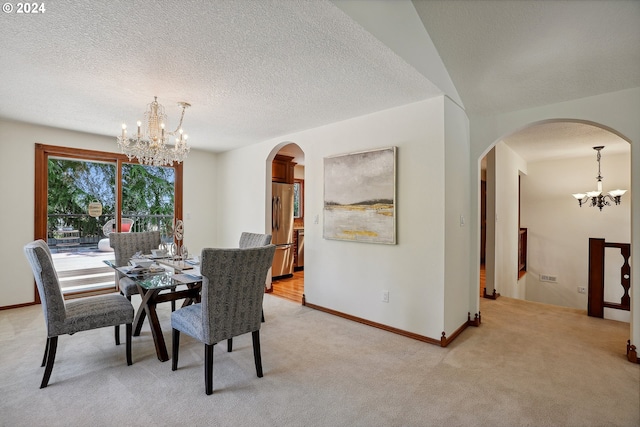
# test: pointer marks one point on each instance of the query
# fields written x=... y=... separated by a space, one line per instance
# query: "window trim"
x=42 y=154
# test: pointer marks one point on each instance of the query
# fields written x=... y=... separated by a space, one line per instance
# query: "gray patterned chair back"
x=53 y=306
x=232 y=290
x=252 y=240
x=125 y=245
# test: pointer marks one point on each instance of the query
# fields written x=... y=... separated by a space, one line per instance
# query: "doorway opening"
x=287 y=222
x=534 y=224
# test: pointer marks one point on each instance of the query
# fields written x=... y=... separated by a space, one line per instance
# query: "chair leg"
x=262 y=316
x=129 y=332
x=117 y=334
x=52 y=344
x=256 y=352
x=175 y=342
x=46 y=351
x=229 y=345
x=208 y=368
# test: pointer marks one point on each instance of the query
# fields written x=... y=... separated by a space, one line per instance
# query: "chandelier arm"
x=180 y=122
x=615 y=199
x=184 y=106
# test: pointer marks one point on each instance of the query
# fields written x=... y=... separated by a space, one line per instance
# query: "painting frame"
x=359 y=203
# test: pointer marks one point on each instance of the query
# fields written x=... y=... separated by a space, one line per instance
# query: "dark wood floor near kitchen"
x=291 y=288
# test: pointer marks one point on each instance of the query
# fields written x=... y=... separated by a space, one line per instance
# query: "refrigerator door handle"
x=273 y=213
x=279 y=211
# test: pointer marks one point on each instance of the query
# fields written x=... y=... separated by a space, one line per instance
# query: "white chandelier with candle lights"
x=152 y=145
x=597 y=198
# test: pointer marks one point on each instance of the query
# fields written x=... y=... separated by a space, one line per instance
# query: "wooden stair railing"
x=596 y=302
x=522 y=253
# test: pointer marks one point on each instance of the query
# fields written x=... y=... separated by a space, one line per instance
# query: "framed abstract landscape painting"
x=360 y=196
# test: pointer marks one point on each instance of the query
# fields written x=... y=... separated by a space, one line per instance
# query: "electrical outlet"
x=582 y=290
x=385 y=296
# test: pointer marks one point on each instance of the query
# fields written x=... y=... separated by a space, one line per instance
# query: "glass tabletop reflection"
x=155 y=278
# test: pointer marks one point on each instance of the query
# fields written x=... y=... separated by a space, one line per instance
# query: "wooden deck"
x=80 y=270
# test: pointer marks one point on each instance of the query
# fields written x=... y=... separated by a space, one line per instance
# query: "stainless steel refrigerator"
x=282 y=228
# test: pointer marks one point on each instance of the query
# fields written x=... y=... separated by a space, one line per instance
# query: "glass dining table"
x=156 y=286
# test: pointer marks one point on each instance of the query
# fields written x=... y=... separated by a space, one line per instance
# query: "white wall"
x=346 y=276
x=199 y=205
x=17 y=154
x=508 y=167
x=457 y=214
x=559 y=230
x=244 y=187
x=618 y=111
x=490 y=244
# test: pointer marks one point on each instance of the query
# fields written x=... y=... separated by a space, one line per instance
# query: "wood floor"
x=293 y=288
x=290 y=288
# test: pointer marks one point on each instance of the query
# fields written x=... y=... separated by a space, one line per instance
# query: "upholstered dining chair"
x=125 y=245
x=231 y=303
x=68 y=317
x=250 y=240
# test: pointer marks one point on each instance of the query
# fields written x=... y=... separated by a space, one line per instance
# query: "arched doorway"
x=530 y=176
x=287 y=221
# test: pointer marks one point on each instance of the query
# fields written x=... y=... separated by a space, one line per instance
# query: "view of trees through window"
x=78 y=194
x=147 y=197
x=72 y=185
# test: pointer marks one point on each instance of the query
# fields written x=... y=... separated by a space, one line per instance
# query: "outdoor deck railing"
x=88 y=230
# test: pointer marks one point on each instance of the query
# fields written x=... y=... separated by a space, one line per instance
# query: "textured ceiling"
x=510 y=55
x=252 y=70
x=256 y=70
x=562 y=140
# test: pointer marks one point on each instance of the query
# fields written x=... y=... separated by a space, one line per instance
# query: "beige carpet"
x=528 y=364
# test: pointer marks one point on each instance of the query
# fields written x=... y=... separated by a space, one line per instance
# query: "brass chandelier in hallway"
x=597 y=198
